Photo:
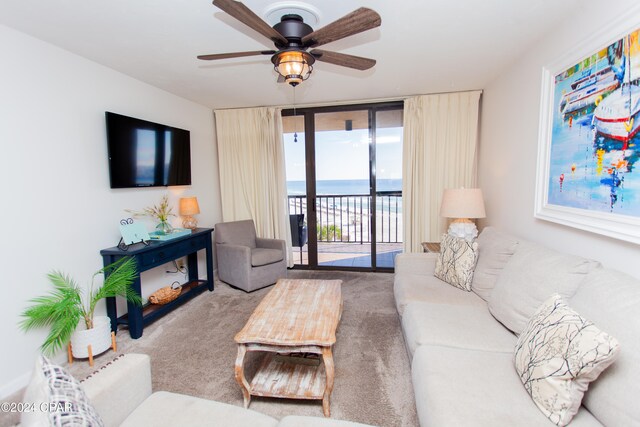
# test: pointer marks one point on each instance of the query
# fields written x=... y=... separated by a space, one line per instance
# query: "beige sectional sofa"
x=462 y=343
x=121 y=395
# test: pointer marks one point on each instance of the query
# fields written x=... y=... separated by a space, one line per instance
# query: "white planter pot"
x=99 y=337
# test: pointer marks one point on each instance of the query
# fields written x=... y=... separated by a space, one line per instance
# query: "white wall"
x=509 y=142
x=57 y=208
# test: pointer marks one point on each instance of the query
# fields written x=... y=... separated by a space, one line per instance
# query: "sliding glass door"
x=345 y=209
x=388 y=185
x=343 y=188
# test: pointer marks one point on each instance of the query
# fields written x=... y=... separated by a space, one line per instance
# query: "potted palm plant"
x=69 y=313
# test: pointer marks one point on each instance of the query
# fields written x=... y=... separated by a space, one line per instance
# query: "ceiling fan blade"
x=281 y=78
x=245 y=15
x=355 y=22
x=235 y=54
x=342 y=59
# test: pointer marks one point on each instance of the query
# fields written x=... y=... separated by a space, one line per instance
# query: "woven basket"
x=165 y=295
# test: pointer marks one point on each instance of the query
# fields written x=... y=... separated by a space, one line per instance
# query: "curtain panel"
x=440 y=151
x=252 y=171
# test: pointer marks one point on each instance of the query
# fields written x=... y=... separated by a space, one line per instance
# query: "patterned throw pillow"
x=59 y=399
x=557 y=355
x=456 y=262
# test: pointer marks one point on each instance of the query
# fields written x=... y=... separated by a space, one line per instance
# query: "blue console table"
x=154 y=255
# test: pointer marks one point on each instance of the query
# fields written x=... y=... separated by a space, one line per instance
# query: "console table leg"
x=239 y=371
x=327 y=358
x=209 y=252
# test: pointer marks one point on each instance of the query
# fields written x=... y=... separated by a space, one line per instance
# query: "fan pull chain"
x=295 y=122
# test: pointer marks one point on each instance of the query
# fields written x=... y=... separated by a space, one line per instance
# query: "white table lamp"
x=462 y=204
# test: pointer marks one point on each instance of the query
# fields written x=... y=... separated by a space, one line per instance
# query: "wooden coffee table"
x=297 y=318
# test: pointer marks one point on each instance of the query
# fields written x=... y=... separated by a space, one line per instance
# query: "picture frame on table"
x=132 y=233
x=588 y=172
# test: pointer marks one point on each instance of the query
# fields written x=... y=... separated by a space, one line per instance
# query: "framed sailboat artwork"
x=588 y=173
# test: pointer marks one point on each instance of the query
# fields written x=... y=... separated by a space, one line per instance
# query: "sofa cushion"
x=558 y=354
x=170 y=409
x=416 y=263
x=54 y=386
x=417 y=287
x=460 y=387
x=456 y=261
x=533 y=274
x=261 y=256
x=302 y=421
x=495 y=249
x=611 y=300
x=458 y=326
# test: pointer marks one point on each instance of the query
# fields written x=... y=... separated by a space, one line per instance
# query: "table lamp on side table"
x=188 y=208
x=462 y=204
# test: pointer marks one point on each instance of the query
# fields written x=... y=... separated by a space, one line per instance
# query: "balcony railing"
x=347 y=217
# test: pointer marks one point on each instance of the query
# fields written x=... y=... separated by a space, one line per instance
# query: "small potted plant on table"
x=160 y=212
x=70 y=317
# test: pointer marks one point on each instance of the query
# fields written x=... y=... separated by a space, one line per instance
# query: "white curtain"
x=252 y=171
x=440 y=148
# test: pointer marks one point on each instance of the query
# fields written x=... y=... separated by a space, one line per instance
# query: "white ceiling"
x=423 y=46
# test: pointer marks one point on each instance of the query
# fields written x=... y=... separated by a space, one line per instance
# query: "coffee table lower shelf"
x=289 y=377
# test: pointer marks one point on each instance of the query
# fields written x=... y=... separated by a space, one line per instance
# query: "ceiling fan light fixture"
x=294 y=65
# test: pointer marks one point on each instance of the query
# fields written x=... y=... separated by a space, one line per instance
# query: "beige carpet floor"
x=192 y=352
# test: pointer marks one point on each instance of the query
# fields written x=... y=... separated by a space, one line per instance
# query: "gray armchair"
x=246 y=261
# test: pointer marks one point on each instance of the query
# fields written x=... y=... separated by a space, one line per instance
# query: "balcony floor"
x=340 y=254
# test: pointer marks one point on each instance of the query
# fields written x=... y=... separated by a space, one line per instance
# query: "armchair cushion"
x=261 y=256
x=241 y=233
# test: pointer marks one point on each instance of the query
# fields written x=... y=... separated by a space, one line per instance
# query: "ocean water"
x=358 y=187
x=337 y=187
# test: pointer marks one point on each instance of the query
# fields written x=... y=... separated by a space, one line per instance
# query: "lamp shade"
x=189 y=206
x=462 y=203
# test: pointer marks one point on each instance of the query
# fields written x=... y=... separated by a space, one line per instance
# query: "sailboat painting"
x=594 y=140
x=588 y=169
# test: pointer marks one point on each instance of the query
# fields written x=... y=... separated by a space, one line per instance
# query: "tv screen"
x=146 y=154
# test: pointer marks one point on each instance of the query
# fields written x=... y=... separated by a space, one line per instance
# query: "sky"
x=344 y=155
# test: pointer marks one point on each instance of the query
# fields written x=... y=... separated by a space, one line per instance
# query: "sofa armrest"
x=119 y=387
x=416 y=263
x=271 y=244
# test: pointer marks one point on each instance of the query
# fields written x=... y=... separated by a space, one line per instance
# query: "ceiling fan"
x=293 y=38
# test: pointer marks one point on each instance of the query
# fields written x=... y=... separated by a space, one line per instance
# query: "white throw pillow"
x=557 y=355
x=456 y=262
x=57 y=399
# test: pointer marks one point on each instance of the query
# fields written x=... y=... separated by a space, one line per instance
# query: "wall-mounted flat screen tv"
x=146 y=154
